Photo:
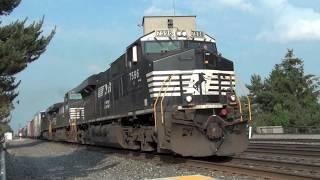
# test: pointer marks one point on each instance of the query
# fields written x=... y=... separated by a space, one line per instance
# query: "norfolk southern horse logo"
x=202 y=79
x=199 y=83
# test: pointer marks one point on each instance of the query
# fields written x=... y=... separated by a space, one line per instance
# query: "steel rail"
x=253 y=170
x=283 y=152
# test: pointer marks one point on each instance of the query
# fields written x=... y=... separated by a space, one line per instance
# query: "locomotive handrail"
x=240 y=109
x=73 y=125
x=156 y=102
x=239 y=101
x=161 y=102
x=249 y=108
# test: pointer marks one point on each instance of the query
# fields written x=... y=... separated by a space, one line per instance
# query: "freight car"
x=22 y=132
x=171 y=91
x=30 y=129
x=34 y=127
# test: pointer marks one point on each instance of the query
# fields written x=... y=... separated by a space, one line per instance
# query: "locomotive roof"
x=137 y=40
x=54 y=107
x=90 y=81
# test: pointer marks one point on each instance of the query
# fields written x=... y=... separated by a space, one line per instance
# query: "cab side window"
x=133 y=55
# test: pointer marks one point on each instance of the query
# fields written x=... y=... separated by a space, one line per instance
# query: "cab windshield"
x=161 y=46
x=205 y=45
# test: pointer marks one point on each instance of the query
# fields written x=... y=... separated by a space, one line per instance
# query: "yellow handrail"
x=50 y=130
x=240 y=109
x=161 y=102
x=249 y=108
x=155 y=103
x=239 y=101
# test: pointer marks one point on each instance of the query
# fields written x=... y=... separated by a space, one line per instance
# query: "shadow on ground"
x=165 y=158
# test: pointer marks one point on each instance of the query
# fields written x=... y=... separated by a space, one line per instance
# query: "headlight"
x=179 y=33
x=233 y=97
x=184 y=33
x=189 y=99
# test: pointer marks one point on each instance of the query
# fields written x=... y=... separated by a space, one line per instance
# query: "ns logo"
x=104 y=90
x=201 y=79
x=199 y=84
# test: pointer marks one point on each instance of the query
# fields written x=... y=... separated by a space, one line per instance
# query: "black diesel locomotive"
x=171 y=91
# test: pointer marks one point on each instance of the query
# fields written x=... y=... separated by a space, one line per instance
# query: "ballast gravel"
x=31 y=159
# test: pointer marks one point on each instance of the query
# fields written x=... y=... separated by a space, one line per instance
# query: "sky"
x=91 y=34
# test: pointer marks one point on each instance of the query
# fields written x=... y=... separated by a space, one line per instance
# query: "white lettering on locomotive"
x=134 y=75
x=107 y=104
x=197 y=34
x=164 y=33
x=104 y=90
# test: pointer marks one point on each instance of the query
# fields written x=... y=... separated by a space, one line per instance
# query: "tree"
x=20 y=44
x=287 y=97
x=6 y=6
x=5 y=128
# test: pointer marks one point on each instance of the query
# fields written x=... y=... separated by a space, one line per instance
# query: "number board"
x=198 y=34
x=164 y=33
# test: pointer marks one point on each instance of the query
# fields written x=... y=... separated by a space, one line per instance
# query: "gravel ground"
x=35 y=159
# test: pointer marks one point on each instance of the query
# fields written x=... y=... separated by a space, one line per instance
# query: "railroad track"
x=251 y=167
x=260 y=169
x=285 y=149
x=301 y=141
x=307 y=161
x=247 y=165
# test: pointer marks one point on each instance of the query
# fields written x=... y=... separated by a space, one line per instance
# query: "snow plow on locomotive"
x=171 y=91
